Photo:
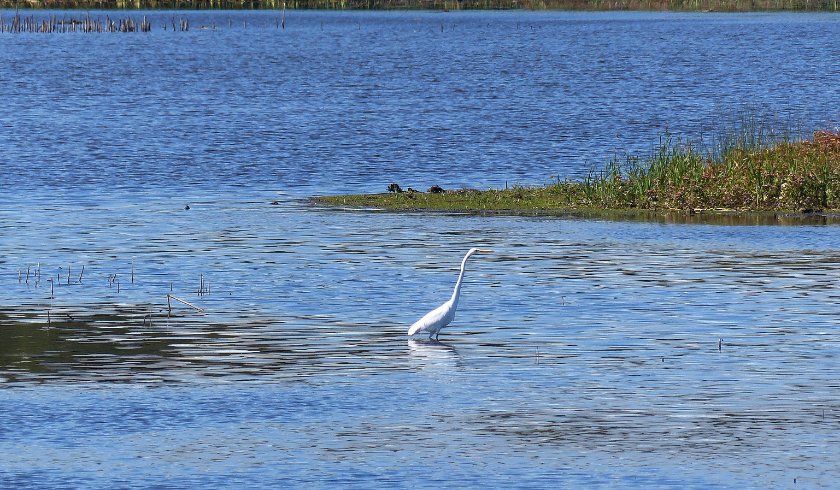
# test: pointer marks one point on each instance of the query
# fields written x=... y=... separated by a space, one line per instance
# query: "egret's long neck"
x=457 y=292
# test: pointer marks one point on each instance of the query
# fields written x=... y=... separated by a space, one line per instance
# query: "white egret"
x=441 y=316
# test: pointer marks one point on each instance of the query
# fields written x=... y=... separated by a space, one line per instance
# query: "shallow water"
x=585 y=352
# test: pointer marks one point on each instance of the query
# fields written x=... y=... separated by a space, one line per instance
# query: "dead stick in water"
x=185 y=302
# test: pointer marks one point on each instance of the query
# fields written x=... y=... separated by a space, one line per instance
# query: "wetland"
x=588 y=351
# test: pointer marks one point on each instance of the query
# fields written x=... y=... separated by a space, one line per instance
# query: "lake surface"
x=585 y=353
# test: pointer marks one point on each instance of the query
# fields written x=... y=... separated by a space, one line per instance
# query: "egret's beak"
x=484 y=250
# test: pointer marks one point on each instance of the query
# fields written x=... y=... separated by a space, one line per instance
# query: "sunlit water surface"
x=585 y=353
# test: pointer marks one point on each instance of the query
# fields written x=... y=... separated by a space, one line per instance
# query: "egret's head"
x=478 y=250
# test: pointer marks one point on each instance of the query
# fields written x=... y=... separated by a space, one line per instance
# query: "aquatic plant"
x=52 y=24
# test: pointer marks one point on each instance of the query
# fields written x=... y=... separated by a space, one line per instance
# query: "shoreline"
x=730 y=217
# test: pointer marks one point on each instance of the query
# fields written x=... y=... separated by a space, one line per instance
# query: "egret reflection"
x=432 y=355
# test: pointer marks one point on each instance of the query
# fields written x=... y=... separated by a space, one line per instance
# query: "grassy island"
x=750 y=173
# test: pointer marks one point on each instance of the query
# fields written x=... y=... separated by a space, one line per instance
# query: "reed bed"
x=749 y=171
x=52 y=24
x=677 y=5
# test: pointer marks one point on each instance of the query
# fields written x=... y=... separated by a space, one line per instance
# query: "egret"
x=441 y=316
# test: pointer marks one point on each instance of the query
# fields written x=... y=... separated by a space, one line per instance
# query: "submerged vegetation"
x=678 y=5
x=751 y=171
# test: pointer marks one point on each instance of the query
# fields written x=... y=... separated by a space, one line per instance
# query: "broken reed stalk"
x=203 y=286
x=81 y=274
x=171 y=296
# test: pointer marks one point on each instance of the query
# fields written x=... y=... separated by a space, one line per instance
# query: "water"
x=585 y=352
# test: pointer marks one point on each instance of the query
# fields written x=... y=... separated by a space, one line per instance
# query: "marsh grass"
x=751 y=170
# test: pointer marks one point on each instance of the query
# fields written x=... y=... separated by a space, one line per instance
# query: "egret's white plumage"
x=441 y=316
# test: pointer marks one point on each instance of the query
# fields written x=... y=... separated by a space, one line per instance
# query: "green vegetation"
x=678 y=5
x=751 y=171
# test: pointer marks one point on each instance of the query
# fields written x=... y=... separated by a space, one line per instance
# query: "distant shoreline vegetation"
x=586 y=5
x=752 y=171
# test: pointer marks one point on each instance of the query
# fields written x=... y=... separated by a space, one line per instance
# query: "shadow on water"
x=129 y=345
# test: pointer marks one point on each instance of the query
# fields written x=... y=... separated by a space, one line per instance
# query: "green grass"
x=751 y=171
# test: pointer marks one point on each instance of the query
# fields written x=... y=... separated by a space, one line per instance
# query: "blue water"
x=585 y=353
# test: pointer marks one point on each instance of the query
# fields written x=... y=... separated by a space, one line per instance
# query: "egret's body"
x=441 y=316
